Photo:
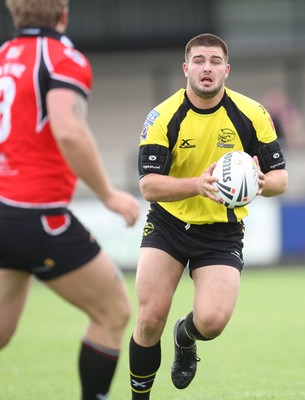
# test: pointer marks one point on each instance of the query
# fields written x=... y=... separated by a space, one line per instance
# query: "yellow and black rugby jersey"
x=197 y=138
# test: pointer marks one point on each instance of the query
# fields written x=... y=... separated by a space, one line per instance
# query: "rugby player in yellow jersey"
x=181 y=141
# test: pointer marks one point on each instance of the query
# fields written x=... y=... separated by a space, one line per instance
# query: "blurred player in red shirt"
x=45 y=145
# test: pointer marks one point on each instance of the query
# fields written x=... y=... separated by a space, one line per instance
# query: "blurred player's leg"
x=13 y=292
x=98 y=290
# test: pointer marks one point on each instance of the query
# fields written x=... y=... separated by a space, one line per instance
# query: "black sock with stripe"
x=188 y=333
x=144 y=363
x=97 y=365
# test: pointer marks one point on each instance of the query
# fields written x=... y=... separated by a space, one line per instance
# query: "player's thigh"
x=158 y=275
x=14 y=286
x=97 y=288
x=216 y=289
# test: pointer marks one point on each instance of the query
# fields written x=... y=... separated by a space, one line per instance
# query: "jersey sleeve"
x=264 y=126
x=70 y=69
x=154 y=130
x=267 y=149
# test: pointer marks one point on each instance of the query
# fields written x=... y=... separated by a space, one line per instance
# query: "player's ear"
x=228 y=67
x=185 y=69
x=63 y=20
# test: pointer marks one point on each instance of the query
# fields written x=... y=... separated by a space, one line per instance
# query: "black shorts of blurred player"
x=54 y=246
x=50 y=242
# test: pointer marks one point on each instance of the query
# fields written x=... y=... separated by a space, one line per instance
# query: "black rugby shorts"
x=194 y=246
x=46 y=243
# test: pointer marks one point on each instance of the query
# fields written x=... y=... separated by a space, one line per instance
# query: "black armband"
x=271 y=157
x=154 y=158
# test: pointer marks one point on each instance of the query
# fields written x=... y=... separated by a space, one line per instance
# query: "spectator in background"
x=287 y=119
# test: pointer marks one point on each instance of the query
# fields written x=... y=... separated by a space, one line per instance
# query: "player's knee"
x=125 y=313
x=151 y=326
x=120 y=314
x=114 y=315
x=211 y=325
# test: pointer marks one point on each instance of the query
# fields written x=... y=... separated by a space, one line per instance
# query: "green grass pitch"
x=260 y=355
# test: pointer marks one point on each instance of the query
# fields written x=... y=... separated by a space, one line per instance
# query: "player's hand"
x=205 y=183
x=125 y=204
x=261 y=177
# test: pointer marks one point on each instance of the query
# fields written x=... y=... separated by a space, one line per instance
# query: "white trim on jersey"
x=21 y=204
x=40 y=121
x=64 y=78
x=60 y=77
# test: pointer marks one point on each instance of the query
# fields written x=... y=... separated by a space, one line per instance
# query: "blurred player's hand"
x=123 y=203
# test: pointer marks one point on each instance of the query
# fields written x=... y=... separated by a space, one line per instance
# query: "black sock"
x=188 y=333
x=144 y=363
x=96 y=367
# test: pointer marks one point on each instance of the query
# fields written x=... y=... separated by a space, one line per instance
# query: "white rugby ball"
x=238 y=179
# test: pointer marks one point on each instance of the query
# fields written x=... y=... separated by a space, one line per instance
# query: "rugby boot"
x=185 y=362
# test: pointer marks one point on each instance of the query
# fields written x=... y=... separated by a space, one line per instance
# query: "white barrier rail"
x=262 y=237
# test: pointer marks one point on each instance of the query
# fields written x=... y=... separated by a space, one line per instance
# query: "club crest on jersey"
x=226 y=135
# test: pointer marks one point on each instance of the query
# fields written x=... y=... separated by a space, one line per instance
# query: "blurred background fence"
x=137 y=47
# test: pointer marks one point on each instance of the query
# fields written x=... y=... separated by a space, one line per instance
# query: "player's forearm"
x=84 y=159
x=156 y=187
x=68 y=118
x=275 y=183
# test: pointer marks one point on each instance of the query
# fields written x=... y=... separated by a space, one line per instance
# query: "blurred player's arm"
x=67 y=111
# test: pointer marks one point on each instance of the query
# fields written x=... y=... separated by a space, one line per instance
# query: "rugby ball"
x=238 y=179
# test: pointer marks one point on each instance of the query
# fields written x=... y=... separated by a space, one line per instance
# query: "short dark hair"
x=207 y=40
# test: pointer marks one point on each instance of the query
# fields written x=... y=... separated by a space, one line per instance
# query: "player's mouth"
x=206 y=79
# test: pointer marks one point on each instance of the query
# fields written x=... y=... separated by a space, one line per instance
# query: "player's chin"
x=207 y=91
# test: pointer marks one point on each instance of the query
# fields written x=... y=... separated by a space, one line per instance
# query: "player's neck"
x=204 y=103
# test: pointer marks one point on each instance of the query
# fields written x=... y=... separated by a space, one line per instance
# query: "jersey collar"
x=52 y=33
x=209 y=110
